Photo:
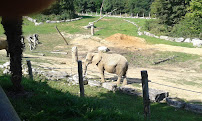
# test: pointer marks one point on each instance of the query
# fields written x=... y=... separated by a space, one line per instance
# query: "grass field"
x=50 y=100
x=58 y=101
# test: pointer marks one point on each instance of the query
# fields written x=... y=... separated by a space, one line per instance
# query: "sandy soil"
x=180 y=82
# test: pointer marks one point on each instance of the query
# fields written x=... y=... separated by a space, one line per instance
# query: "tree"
x=169 y=12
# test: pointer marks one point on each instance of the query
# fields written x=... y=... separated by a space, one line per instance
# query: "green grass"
x=146 y=58
x=50 y=100
x=201 y=66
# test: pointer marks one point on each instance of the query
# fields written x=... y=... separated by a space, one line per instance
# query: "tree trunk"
x=101 y=8
x=13 y=31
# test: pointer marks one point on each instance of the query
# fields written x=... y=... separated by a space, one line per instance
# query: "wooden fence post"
x=145 y=90
x=74 y=54
x=92 y=29
x=80 y=78
x=29 y=69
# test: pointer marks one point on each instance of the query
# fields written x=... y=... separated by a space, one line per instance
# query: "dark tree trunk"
x=13 y=31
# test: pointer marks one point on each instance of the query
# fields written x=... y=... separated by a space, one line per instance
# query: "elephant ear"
x=97 y=58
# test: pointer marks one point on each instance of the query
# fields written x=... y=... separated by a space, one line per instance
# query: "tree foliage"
x=169 y=12
x=122 y=6
x=180 y=18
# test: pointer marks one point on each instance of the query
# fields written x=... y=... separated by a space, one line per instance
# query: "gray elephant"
x=112 y=63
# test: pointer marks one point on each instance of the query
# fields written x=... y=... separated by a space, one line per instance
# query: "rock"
x=148 y=34
x=109 y=86
x=94 y=83
x=103 y=49
x=140 y=33
x=175 y=103
x=188 y=40
x=156 y=36
x=67 y=20
x=129 y=91
x=181 y=39
x=157 y=95
x=48 y=21
x=197 y=108
x=75 y=80
x=56 y=75
x=197 y=42
x=171 y=39
x=6 y=71
x=37 y=24
x=6 y=65
x=53 y=22
x=164 y=37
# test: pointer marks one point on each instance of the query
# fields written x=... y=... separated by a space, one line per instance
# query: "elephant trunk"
x=85 y=68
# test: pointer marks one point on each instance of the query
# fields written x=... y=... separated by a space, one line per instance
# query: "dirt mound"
x=126 y=41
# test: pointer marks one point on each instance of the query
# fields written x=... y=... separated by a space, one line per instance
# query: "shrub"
x=188 y=27
x=156 y=28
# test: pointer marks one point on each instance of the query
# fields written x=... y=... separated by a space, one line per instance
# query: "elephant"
x=112 y=63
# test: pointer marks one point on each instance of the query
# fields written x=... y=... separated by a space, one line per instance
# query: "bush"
x=188 y=27
x=156 y=28
x=53 y=17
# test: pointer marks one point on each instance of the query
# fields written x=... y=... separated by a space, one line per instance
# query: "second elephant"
x=112 y=63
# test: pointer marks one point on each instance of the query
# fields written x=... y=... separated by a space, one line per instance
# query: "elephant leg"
x=125 y=82
x=119 y=80
x=102 y=76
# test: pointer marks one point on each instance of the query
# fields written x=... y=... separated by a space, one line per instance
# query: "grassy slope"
x=57 y=101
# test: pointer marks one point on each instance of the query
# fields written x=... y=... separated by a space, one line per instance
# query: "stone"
x=197 y=42
x=53 y=22
x=188 y=40
x=197 y=108
x=109 y=86
x=175 y=103
x=75 y=80
x=94 y=83
x=157 y=95
x=129 y=91
x=48 y=21
x=140 y=33
x=67 y=20
x=6 y=71
x=164 y=37
x=56 y=75
x=181 y=39
x=103 y=49
x=156 y=36
x=37 y=24
x=171 y=39
x=6 y=65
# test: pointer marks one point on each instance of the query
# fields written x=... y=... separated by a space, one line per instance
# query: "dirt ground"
x=184 y=83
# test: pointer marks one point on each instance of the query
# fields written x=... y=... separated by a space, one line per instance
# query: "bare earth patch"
x=185 y=83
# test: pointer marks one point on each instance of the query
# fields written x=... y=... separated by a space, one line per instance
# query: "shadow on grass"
x=87 y=17
x=55 y=101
